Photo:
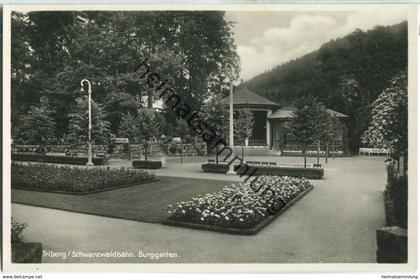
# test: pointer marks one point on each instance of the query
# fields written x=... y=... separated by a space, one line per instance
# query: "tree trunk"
x=304 y=156
x=242 y=152
x=217 y=154
x=317 y=151
x=182 y=149
x=149 y=99
x=145 y=151
x=333 y=148
x=326 y=152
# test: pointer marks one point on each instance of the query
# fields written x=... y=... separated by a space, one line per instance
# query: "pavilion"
x=269 y=132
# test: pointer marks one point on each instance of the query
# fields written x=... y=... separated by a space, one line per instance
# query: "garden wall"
x=119 y=151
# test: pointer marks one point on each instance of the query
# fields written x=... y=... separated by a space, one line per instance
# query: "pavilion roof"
x=246 y=98
x=287 y=112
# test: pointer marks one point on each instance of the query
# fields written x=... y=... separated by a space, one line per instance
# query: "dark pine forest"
x=346 y=74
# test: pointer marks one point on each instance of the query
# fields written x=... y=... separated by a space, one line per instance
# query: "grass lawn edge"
x=89 y=192
x=250 y=231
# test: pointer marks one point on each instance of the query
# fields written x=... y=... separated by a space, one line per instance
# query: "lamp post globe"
x=89 y=162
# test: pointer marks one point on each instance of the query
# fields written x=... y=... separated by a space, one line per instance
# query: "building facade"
x=270 y=135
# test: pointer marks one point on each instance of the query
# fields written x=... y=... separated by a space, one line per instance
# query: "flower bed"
x=65 y=179
x=310 y=173
x=242 y=208
x=141 y=164
x=56 y=159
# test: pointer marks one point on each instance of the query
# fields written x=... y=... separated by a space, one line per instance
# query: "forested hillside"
x=346 y=74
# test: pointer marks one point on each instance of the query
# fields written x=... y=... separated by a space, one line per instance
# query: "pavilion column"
x=268 y=130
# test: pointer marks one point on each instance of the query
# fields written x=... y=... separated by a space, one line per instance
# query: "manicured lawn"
x=148 y=202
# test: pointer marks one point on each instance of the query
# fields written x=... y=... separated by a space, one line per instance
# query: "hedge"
x=56 y=159
x=141 y=164
x=310 y=173
x=396 y=199
x=74 y=180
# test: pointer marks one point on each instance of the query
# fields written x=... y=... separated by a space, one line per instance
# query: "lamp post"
x=231 y=143
x=89 y=162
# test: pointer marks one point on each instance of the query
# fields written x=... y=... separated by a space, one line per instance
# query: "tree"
x=128 y=128
x=52 y=51
x=304 y=123
x=37 y=127
x=322 y=124
x=333 y=129
x=79 y=123
x=216 y=116
x=182 y=129
x=142 y=127
x=388 y=128
x=148 y=127
x=242 y=126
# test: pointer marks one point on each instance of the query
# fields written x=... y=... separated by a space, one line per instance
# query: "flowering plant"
x=17 y=230
x=240 y=205
x=72 y=179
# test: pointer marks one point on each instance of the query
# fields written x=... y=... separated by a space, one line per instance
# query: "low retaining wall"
x=118 y=151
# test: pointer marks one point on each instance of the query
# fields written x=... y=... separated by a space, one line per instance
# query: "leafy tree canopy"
x=242 y=125
x=38 y=126
x=388 y=128
x=52 y=51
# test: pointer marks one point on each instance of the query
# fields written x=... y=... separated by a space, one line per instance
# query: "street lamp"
x=89 y=162
x=231 y=170
x=231 y=142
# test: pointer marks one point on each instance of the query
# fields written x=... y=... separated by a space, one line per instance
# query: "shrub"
x=56 y=159
x=73 y=180
x=242 y=205
x=17 y=231
x=396 y=199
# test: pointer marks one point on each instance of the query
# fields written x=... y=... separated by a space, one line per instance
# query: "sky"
x=269 y=38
